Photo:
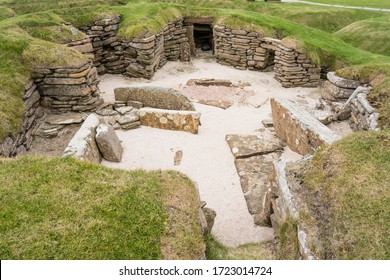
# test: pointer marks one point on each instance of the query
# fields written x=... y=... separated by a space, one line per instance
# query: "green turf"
x=359 y=3
x=66 y=209
x=372 y=35
x=349 y=184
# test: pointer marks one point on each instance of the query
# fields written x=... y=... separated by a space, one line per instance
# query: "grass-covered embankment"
x=349 y=183
x=66 y=209
x=372 y=35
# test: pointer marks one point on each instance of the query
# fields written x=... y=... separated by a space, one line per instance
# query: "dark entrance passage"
x=200 y=35
x=203 y=37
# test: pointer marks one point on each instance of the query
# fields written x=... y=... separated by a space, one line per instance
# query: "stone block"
x=188 y=121
x=155 y=97
x=108 y=143
x=341 y=82
x=302 y=132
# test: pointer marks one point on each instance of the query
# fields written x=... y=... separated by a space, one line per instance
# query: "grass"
x=252 y=251
x=367 y=33
x=66 y=209
x=6 y=13
x=349 y=184
x=287 y=241
x=359 y=3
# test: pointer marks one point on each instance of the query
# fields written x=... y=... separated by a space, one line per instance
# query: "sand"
x=207 y=159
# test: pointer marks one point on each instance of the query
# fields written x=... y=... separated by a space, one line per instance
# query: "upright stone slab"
x=108 y=143
x=83 y=145
x=155 y=97
x=302 y=132
x=188 y=121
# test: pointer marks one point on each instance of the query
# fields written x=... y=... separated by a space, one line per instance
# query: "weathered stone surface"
x=108 y=143
x=178 y=157
x=83 y=145
x=243 y=146
x=86 y=48
x=223 y=104
x=302 y=132
x=155 y=97
x=65 y=90
x=185 y=52
x=254 y=175
x=341 y=82
x=332 y=92
x=168 y=119
x=67 y=118
x=210 y=215
x=124 y=110
x=126 y=119
x=135 y=104
x=209 y=82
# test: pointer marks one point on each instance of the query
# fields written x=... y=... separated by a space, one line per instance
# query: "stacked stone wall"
x=15 y=145
x=253 y=51
x=349 y=101
x=65 y=90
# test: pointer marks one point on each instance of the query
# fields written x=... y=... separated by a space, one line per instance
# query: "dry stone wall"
x=349 y=101
x=15 y=145
x=253 y=51
x=138 y=57
x=68 y=89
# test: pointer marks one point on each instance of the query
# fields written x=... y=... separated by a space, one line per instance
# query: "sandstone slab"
x=188 y=121
x=243 y=146
x=108 y=143
x=155 y=97
x=209 y=82
x=67 y=118
x=83 y=145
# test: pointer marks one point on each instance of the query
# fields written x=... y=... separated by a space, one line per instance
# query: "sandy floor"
x=206 y=157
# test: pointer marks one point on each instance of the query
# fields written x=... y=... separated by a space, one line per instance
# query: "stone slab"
x=155 y=97
x=188 y=121
x=108 y=143
x=243 y=146
x=83 y=145
x=341 y=82
x=67 y=118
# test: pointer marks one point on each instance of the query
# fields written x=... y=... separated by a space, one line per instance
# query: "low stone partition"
x=302 y=132
x=83 y=145
x=18 y=144
x=188 y=121
x=68 y=89
x=253 y=51
x=155 y=97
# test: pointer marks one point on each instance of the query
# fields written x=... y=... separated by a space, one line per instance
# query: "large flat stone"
x=155 y=97
x=332 y=92
x=209 y=82
x=254 y=175
x=168 y=119
x=243 y=146
x=302 y=132
x=68 y=118
x=83 y=145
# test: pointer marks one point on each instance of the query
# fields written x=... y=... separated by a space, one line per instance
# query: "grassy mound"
x=371 y=35
x=349 y=183
x=66 y=209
